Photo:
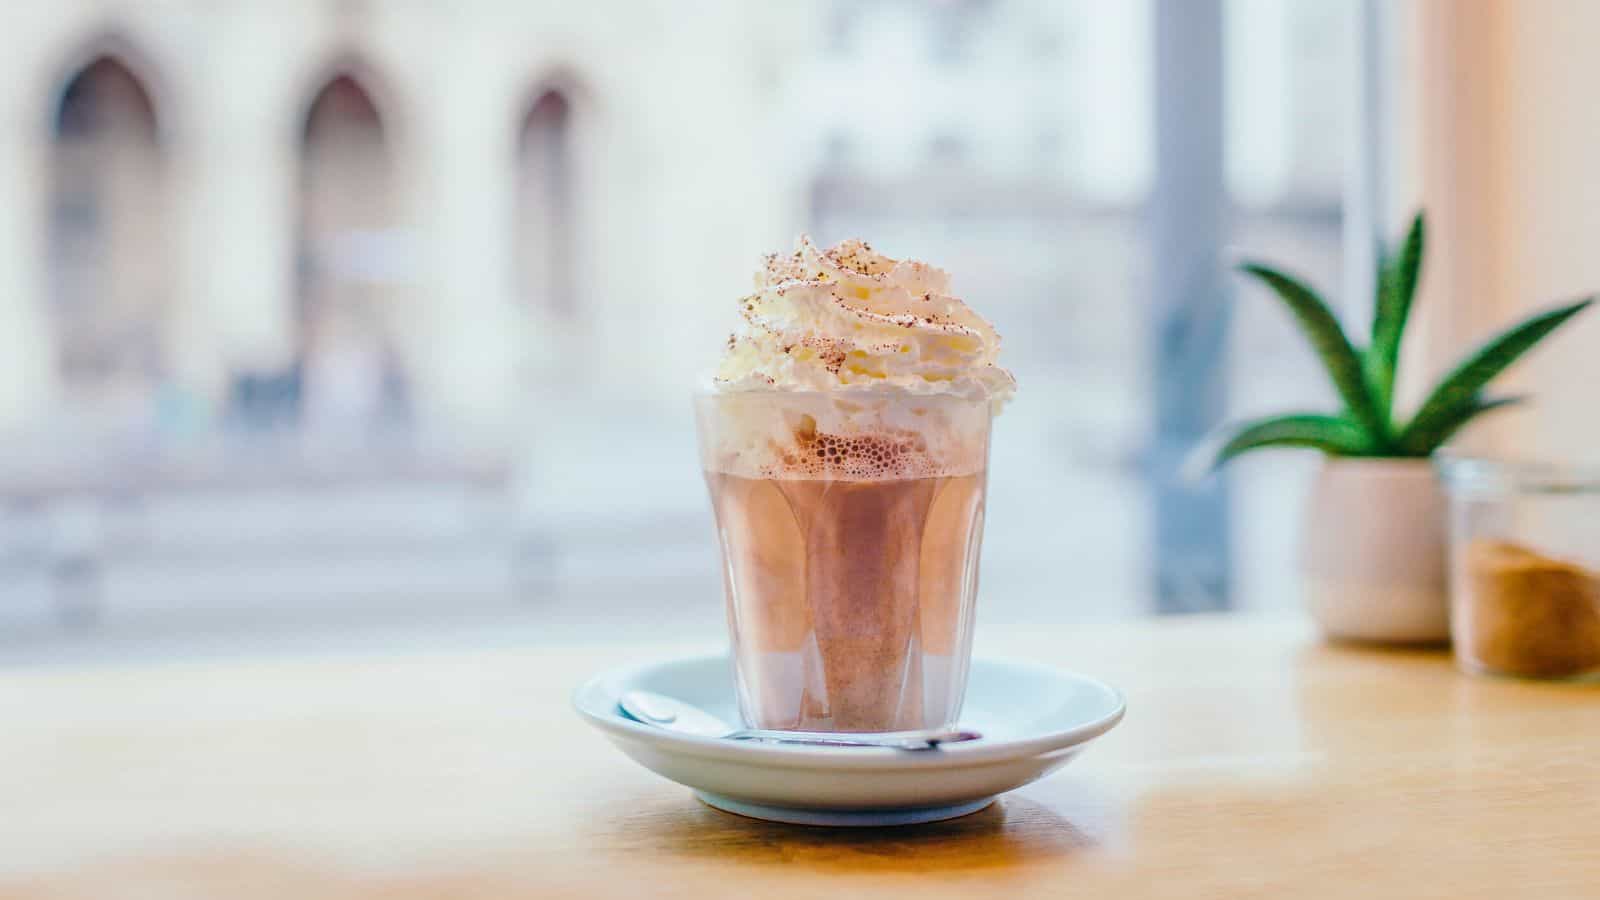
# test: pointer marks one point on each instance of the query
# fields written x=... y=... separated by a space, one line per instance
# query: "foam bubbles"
x=862 y=457
x=790 y=435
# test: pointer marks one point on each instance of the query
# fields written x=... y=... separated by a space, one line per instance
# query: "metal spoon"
x=675 y=715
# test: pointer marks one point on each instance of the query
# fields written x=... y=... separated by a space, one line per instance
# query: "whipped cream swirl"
x=848 y=318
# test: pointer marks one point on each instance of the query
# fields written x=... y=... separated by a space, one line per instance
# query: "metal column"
x=1189 y=307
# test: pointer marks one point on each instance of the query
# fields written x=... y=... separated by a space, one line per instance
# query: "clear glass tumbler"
x=850 y=526
x=1524 y=567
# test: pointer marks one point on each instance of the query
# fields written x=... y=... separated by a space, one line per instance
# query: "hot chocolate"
x=845 y=445
x=850 y=599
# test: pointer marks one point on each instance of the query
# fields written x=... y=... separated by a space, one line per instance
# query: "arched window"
x=349 y=265
x=546 y=211
x=109 y=261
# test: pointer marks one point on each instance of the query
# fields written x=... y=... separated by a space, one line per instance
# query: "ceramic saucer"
x=1034 y=719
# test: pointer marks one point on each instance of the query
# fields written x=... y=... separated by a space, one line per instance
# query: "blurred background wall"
x=1501 y=149
x=332 y=310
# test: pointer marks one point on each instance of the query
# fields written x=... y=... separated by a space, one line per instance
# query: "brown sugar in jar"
x=1519 y=612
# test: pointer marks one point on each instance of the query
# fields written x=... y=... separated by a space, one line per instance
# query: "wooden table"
x=1254 y=761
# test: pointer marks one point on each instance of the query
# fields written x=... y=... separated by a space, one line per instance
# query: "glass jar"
x=1524 y=567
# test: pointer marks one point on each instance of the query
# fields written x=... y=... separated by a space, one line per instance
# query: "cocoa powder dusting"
x=1529 y=614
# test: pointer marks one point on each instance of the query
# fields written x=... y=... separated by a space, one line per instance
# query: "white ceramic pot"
x=1373 y=551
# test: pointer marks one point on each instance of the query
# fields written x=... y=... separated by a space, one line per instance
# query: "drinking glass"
x=850 y=524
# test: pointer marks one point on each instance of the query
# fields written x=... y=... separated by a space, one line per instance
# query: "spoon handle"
x=897 y=740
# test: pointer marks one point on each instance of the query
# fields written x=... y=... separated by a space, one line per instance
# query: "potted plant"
x=1373 y=542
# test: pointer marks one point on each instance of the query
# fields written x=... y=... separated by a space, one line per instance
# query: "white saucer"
x=1034 y=720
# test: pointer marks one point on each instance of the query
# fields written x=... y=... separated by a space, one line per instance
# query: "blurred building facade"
x=373 y=212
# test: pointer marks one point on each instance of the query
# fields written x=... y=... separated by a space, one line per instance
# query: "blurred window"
x=1083 y=196
x=109 y=265
x=350 y=376
x=1049 y=233
x=545 y=208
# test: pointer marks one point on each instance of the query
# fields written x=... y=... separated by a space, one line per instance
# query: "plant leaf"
x=1454 y=397
x=1339 y=358
x=1330 y=434
x=1425 y=443
x=1397 y=287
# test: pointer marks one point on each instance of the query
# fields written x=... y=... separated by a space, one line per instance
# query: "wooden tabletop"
x=1254 y=761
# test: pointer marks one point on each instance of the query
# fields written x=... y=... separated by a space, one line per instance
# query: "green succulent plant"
x=1365 y=376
